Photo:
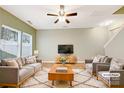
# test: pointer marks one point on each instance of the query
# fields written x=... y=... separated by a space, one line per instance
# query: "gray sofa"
x=15 y=76
x=91 y=64
x=117 y=67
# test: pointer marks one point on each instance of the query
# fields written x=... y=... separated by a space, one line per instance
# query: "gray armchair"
x=92 y=66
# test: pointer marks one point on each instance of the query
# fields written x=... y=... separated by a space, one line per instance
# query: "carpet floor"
x=82 y=79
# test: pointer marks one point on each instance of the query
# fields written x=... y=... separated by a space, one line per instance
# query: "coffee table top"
x=53 y=69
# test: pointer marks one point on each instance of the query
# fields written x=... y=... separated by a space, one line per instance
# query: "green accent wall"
x=10 y=20
x=120 y=11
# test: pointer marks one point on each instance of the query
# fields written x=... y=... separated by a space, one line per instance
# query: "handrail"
x=109 y=41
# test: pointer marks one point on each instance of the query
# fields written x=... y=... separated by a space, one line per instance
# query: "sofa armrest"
x=117 y=80
x=95 y=68
x=9 y=74
x=102 y=67
x=88 y=61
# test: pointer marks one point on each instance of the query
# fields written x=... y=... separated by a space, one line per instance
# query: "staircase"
x=115 y=45
x=116 y=30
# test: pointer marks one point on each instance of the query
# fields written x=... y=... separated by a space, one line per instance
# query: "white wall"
x=116 y=46
x=87 y=42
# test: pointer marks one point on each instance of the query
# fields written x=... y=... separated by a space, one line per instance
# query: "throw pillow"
x=30 y=60
x=115 y=65
x=121 y=63
x=23 y=61
x=3 y=62
x=12 y=63
x=102 y=59
x=97 y=59
x=107 y=60
x=19 y=61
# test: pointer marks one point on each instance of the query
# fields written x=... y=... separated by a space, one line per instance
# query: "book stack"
x=61 y=69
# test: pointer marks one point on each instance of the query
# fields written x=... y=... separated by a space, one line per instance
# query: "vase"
x=63 y=62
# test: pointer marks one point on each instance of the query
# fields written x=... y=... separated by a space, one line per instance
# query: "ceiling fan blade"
x=52 y=15
x=67 y=21
x=56 y=21
x=71 y=14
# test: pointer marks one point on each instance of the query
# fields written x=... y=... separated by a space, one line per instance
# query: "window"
x=26 y=44
x=11 y=44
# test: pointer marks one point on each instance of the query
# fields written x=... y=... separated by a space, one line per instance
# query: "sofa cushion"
x=19 y=61
x=12 y=63
x=27 y=67
x=36 y=66
x=25 y=73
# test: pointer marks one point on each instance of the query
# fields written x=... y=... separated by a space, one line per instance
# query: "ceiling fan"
x=62 y=15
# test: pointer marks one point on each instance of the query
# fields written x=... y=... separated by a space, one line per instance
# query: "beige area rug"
x=82 y=79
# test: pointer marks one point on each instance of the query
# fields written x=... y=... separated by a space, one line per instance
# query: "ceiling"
x=88 y=15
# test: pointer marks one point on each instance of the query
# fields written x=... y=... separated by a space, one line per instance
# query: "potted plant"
x=63 y=60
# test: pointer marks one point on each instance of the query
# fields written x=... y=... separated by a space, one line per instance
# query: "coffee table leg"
x=53 y=82
x=70 y=83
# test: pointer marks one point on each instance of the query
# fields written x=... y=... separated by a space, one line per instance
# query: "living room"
x=61 y=46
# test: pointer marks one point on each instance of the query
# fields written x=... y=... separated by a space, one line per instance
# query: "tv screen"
x=65 y=49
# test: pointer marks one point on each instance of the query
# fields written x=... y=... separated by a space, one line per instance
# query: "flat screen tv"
x=65 y=49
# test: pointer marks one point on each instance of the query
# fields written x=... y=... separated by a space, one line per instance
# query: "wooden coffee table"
x=65 y=76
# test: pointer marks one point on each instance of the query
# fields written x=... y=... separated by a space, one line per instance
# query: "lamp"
x=36 y=52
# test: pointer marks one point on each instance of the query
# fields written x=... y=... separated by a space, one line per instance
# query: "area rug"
x=82 y=79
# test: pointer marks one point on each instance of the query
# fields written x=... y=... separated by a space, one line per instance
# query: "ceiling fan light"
x=61 y=18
